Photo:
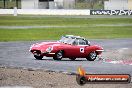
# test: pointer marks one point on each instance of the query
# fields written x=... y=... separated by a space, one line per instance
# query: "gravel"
x=19 y=78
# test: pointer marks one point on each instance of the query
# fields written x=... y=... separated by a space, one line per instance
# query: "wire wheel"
x=92 y=56
x=58 y=55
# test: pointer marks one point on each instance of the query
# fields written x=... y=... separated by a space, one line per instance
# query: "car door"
x=77 y=49
x=82 y=46
x=72 y=50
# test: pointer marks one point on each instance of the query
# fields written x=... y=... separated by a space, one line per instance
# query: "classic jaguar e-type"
x=68 y=46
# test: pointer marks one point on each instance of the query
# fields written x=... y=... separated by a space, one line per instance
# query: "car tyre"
x=92 y=56
x=58 y=55
x=38 y=57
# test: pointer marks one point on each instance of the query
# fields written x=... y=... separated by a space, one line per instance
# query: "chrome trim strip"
x=99 y=50
x=51 y=53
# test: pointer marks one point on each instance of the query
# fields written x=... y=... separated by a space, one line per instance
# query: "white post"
x=15 y=11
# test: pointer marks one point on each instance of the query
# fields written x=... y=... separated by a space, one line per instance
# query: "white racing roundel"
x=81 y=50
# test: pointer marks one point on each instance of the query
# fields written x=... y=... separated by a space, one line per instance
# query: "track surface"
x=16 y=54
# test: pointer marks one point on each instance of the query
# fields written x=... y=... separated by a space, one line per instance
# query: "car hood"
x=44 y=45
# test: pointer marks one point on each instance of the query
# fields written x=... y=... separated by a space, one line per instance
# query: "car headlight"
x=49 y=49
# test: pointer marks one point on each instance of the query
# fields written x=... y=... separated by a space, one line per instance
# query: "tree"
x=4 y=3
x=80 y=0
x=17 y=3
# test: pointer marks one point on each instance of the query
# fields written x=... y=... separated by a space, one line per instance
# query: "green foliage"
x=9 y=4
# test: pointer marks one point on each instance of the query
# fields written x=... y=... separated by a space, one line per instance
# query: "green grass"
x=96 y=32
x=30 y=20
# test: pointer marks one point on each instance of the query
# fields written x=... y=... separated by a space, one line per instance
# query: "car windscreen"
x=66 y=40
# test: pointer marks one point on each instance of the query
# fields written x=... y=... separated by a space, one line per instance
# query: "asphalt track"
x=49 y=26
x=17 y=55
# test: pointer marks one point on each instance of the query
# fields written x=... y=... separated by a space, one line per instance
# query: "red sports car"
x=68 y=46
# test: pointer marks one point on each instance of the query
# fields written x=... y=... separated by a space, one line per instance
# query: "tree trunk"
x=4 y=4
x=17 y=3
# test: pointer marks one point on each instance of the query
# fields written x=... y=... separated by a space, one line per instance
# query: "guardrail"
x=64 y=12
x=44 y=12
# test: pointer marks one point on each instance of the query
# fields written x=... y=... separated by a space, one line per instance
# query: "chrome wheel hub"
x=93 y=55
x=59 y=55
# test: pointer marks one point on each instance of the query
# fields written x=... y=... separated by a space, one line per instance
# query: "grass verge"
x=98 y=32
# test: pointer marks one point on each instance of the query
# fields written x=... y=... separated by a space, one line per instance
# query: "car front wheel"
x=58 y=55
x=92 y=56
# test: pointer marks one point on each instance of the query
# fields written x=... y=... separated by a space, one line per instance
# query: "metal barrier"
x=64 y=12
x=45 y=12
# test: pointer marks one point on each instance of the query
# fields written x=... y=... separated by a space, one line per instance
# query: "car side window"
x=75 y=42
x=82 y=42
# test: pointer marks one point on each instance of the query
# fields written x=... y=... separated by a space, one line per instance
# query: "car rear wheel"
x=58 y=55
x=92 y=56
x=38 y=57
x=72 y=59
